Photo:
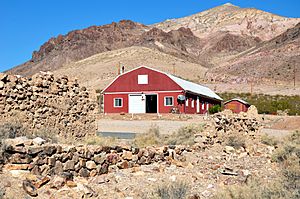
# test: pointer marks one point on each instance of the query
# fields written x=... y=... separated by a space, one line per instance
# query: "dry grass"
x=175 y=190
x=100 y=141
x=269 y=140
x=185 y=135
x=236 y=141
x=287 y=183
x=255 y=189
x=150 y=138
x=11 y=129
x=47 y=133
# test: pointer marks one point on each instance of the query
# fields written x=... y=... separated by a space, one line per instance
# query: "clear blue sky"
x=27 y=24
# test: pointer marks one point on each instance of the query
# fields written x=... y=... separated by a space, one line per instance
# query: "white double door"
x=137 y=103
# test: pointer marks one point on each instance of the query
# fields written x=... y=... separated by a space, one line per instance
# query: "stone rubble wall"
x=228 y=122
x=45 y=101
x=85 y=161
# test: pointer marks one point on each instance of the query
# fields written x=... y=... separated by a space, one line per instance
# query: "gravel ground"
x=142 y=126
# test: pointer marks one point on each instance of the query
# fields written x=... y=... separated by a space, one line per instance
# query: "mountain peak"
x=229 y=4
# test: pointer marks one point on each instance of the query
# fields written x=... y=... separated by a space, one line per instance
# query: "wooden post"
x=100 y=103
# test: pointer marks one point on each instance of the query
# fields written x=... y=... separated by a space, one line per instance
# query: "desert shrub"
x=288 y=156
x=285 y=185
x=11 y=129
x=236 y=141
x=290 y=147
x=255 y=189
x=47 y=133
x=150 y=138
x=269 y=140
x=2 y=192
x=176 y=190
x=185 y=135
x=99 y=140
x=214 y=109
x=98 y=90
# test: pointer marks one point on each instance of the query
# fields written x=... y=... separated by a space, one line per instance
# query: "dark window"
x=168 y=101
x=118 y=102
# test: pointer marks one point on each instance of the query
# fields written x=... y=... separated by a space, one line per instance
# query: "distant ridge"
x=225 y=40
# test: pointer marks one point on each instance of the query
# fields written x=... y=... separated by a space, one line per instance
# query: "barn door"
x=137 y=103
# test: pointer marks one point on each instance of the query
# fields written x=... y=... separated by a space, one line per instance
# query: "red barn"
x=146 y=90
x=237 y=105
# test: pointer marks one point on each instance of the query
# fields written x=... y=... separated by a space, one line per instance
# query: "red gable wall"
x=129 y=82
x=236 y=106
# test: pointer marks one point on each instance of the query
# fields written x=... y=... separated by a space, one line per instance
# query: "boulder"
x=84 y=172
x=69 y=165
x=29 y=188
x=38 y=141
x=100 y=158
x=127 y=155
x=252 y=112
x=91 y=165
x=229 y=149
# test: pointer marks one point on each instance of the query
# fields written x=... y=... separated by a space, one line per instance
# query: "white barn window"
x=187 y=102
x=118 y=102
x=142 y=79
x=193 y=103
x=168 y=101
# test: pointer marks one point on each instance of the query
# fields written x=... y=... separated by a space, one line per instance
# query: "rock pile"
x=45 y=101
x=226 y=122
x=85 y=161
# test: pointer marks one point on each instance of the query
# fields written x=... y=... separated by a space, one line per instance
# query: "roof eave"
x=204 y=95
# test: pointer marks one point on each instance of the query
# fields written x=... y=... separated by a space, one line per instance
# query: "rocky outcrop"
x=81 y=44
x=274 y=60
x=235 y=20
x=47 y=102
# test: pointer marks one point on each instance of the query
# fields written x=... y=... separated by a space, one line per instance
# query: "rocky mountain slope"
x=228 y=42
x=80 y=44
x=233 y=19
x=274 y=59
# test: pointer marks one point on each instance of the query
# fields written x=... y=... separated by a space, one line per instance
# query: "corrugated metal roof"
x=237 y=99
x=195 y=88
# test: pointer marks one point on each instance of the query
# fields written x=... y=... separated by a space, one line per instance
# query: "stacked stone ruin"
x=47 y=102
x=227 y=122
x=85 y=161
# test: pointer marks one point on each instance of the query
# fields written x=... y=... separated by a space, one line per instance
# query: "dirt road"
x=142 y=126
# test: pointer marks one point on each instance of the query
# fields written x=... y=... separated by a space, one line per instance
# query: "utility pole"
x=294 y=75
x=174 y=72
x=119 y=66
x=251 y=87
